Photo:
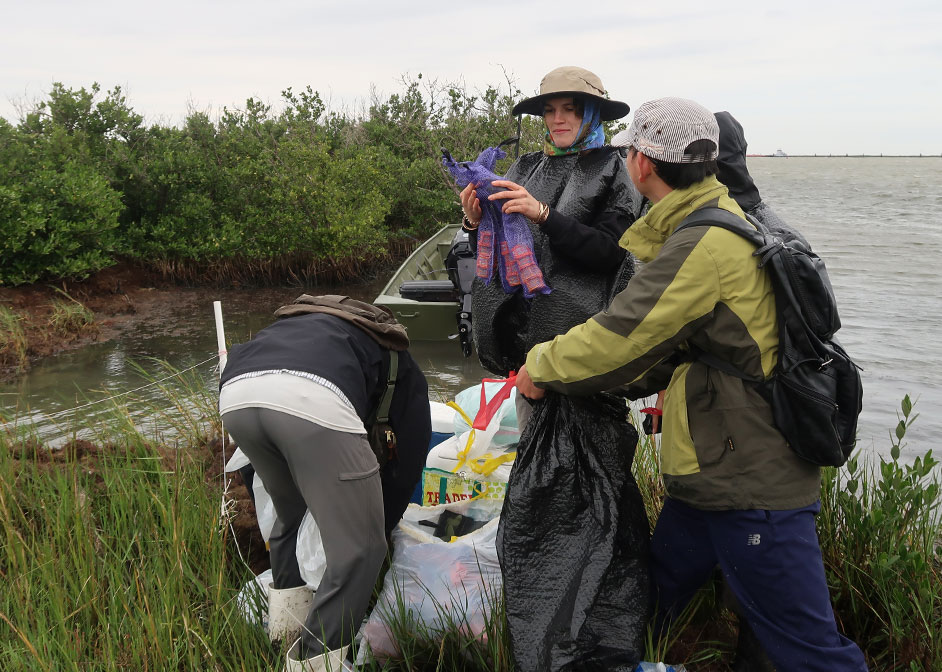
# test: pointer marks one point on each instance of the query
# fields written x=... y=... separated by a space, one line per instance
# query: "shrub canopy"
x=256 y=194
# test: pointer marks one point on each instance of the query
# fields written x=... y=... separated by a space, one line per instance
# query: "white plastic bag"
x=438 y=583
x=475 y=453
x=310 y=552
x=445 y=457
x=470 y=402
x=645 y=666
x=312 y=560
x=237 y=461
x=264 y=507
x=443 y=417
x=253 y=599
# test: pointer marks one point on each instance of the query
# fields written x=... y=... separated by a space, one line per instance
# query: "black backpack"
x=815 y=392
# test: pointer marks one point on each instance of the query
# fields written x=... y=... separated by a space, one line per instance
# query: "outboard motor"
x=460 y=264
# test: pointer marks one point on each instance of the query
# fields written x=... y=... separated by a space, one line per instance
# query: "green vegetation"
x=69 y=316
x=256 y=195
x=116 y=554
x=13 y=346
x=882 y=544
x=112 y=555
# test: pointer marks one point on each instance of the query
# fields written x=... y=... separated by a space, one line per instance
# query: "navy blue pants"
x=772 y=562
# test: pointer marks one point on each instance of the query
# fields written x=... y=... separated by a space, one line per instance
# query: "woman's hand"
x=470 y=204
x=516 y=199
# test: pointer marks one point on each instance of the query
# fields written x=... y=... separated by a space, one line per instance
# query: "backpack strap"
x=714 y=216
x=382 y=410
x=756 y=234
x=380 y=434
x=380 y=413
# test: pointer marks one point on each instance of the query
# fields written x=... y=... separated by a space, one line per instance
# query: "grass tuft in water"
x=69 y=316
x=14 y=351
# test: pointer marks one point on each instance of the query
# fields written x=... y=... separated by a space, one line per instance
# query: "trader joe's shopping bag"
x=445 y=487
x=472 y=464
x=434 y=584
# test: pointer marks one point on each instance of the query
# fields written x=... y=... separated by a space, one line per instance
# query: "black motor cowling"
x=460 y=264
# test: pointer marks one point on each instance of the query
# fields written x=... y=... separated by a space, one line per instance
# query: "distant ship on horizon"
x=778 y=153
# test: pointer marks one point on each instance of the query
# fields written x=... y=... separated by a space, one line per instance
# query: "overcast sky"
x=801 y=76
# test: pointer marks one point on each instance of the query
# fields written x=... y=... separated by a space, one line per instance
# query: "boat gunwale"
x=391 y=291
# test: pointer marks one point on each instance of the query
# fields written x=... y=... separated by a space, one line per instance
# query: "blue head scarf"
x=590 y=136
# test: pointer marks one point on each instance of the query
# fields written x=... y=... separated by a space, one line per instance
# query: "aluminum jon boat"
x=430 y=293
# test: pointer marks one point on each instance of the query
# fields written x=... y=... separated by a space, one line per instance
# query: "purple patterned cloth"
x=504 y=238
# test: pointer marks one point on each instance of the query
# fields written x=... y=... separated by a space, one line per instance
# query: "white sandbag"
x=444 y=456
x=439 y=583
x=443 y=417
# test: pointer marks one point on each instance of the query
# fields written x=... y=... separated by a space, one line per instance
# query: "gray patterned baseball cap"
x=662 y=129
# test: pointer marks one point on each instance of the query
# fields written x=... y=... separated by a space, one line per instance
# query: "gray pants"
x=334 y=475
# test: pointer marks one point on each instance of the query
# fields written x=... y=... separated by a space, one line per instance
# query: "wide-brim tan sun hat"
x=571 y=80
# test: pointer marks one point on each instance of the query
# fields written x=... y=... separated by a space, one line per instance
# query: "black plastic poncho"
x=585 y=187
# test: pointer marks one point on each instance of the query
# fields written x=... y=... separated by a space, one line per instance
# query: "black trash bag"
x=505 y=325
x=573 y=540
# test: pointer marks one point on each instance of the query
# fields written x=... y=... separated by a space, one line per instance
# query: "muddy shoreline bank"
x=125 y=298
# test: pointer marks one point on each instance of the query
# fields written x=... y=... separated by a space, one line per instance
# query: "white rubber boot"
x=330 y=661
x=287 y=610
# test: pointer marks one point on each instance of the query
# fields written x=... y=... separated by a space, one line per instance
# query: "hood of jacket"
x=731 y=162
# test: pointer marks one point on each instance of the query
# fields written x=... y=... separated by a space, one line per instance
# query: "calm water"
x=877 y=222
x=878 y=225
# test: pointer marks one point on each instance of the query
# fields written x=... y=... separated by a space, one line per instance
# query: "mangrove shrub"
x=256 y=193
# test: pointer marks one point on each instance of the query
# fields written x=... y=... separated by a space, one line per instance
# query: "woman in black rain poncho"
x=573 y=536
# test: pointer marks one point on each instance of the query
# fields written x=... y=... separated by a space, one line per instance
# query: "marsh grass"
x=116 y=560
x=115 y=554
x=69 y=316
x=646 y=470
x=14 y=351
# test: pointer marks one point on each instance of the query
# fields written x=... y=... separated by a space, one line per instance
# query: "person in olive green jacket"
x=737 y=495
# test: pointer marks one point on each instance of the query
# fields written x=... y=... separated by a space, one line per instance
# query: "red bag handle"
x=487 y=409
